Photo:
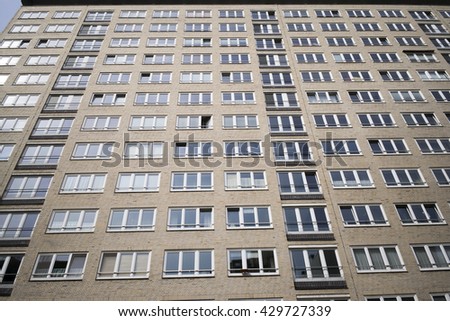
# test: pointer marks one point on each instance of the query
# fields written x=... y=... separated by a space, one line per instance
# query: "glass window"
x=52 y=127
x=375 y=259
x=196 y=77
x=132 y=219
x=331 y=120
x=138 y=182
x=245 y=262
x=291 y=124
x=87 y=45
x=243 y=149
x=198 y=13
x=316 y=264
x=92 y=151
x=419 y=213
x=6 y=151
x=434 y=146
x=128 y=27
x=280 y=100
x=376 y=120
x=240 y=122
x=124 y=42
x=161 y=42
x=323 y=97
x=194 y=122
x=195 y=98
x=14 y=43
x=388 y=146
x=192 y=149
x=9 y=268
x=340 y=147
x=245 y=180
x=59 y=266
x=248 y=217
x=151 y=99
x=298 y=182
x=66 y=15
x=20 y=100
x=133 y=14
x=108 y=99
x=165 y=14
x=351 y=179
x=442 y=176
x=45 y=60
x=191 y=181
x=292 y=151
x=106 y=78
x=16 y=225
x=189 y=263
x=124 y=265
x=99 y=16
x=80 y=62
x=158 y=59
x=72 y=221
x=12 y=124
x=403 y=177
x=432 y=256
x=441 y=95
x=409 y=96
x=83 y=183
x=304 y=219
x=41 y=155
x=120 y=59
x=33 y=15
x=9 y=60
x=190 y=218
x=79 y=81
x=143 y=150
x=363 y=215
x=57 y=103
x=148 y=123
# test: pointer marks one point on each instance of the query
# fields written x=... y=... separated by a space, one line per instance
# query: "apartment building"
x=223 y=151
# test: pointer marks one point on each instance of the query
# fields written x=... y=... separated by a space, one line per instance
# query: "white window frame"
x=413 y=210
x=195 y=98
x=197 y=27
x=280 y=119
x=249 y=212
x=198 y=13
x=441 y=95
x=351 y=179
x=24 y=29
x=52 y=126
x=63 y=102
x=277 y=79
x=233 y=42
x=155 y=78
x=197 y=271
x=150 y=182
x=421 y=57
x=58 y=274
x=410 y=41
x=316 y=76
x=432 y=263
x=124 y=42
x=348 y=57
x=148 y=122
x=186 y=187
x=17 y=225
x=331 y=120
x=197 y=42
x=92 y=123
x=194 y=59
x=197 y=214
x=32 y=79
x=310 y=58
x=9 y=60
x=296 y=13
x=197 y=77
x=340 y=41
x=407 y=96
x=132 y=272
x=108 y=99
x=120 y=59
x=67 y=14
x=242 y=58
x=6 y=151
x=305 y=42
x=143 y=150
x=41 y=155
x=406 y=172
x=366 y=97
x=79 y=81
x=87 y=45
x=243 y=180
x=433 y=145
x=433 y=75
x=98 y=179
x=344 y=147
x=191 y=149
x=42 y=60
x=313 y=223
x=377 y=120
x=363 y=215
x=128 y=27
x=152 y=99
x=13 y=124
x=236 y=77
x=384 y=57
x=388 y=146
x=395 y=75
x=245 y=270
x=138 y=217
x=365 y=26
x=95 y=150
x=158 y=59
x=444 y=180
x=33 y=15
x=37 y=191
x=161 y=42
x=165 y=14
x=317 y=189
x=391 y=14
x=14 y=43
x=73 y=221
x=292 y=151
x=20 y=100
x=231 y=14
x=135 y=14
x=243 y=148
x=116 y=78
x=80 y=62
x=381 y=251
x=240 y=121
x=194 y=122
x=59 y=28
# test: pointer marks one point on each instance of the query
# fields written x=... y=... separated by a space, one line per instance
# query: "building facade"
x=225 y=152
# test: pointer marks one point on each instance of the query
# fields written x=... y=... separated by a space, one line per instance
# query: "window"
x=14 y=43
x=392 y=298
x=306 y=220
x=189 y=263
x=295 y=13
x=161 y=42
x=331 y=120
x=441 y=95
x=388 y=146
x=409 y=96
x=128 y=27
x=87 y=45
x=83 y=183
x=20 y=100
x=198 y=27
x=195 y=77
x=278 y=79
x=9 y=60
x=124 y=265
x=432 y=256
x=297 y=182
x=333 y=26
x=248 y=262
x=263 y=15
x=410 y=41
x=198 y=13
x=108 y=99
x=340 y=41
x=292 y=151
x=391 y=13
x=59 y=266
x=138 y=182
x=300 y=27
x=12 y=124
x=310 y=58
x=360 y=178
x=442 y=176
x=52 y=127
x=232 y=98
x=356 y=75
x=400 y=26
x=41 y=155
x=196 y=58
x=367 y=26
x=378 y=258
x=192 y=181
x=9 y=268
x=16 y=225
x=195 y=98
x=158 y=59
x=323 y=97
x=133 y=13
x=99 y=16
x=340 y=147
x=232 y=27
x=3 y=79
x=192 y=149
x=32 y=79
x=248 y=217
x=72 y=221
x=365 y=96
x=234 y=58
x=440 y=296
x=194 y=122
x=231 y=13
x=34 y=15
x=445 y=13
x=281 y=100
x=316 y=76
x=24 y=29
x=119 y=59
x=27 y=187
x=395 y=75
x=433 y=75
x=240 y=122
x=403 y=177
x=197 y=42
x=375 y=41
x=273 y=61
x=71 y=81
x=327 y=13
x=359 y=13
x=419 y=56
x=433 y=28
x=380 y=57
x=265 y=29
x=41 y=60
x=67 y=15
x=347 y=57
x=59 y=28
x=290 y=124
x=245 y=180
x=421 y=119
x=147 y=123
x=422 y=15
x=151 y=99
x=376 y=120
x=63 y=102
x=190 y=218
x=243 y=149
x=132 y=219
x=155 y=78
x=305 y=42
x=233 y=42
x=115 y=78
x=100 y=123
x=236 y=77
x=419 y=213
x=6 y=151
x=80 y=62
x=316 y=264
x=124 y=42
x=434 y=146
x=363 y=215
x=269 y=43
x=92 y=151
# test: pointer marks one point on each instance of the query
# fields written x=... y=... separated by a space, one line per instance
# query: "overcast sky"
x=7 y=11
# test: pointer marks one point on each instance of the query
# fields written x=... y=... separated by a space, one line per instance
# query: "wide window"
x=194 y=59
x=305 y=219
x=20 y=100
x=80 y=62
x=365 y=96
x=41 y=155
x=143 y=150
x=106 y=78
x=192 y=181
x=132 y=219
x=197 y=42
x=194 y=122
x=421 y=56
x=24 y=29
x=292 y=124
x=17 y=225
x=316 y=76
x=12 y=124
x=243 y=148
x=269 y=43
x=388 y=146
x=9 y=60
x=192 y=149
x=100 y=123
x=76 y=81
x=9 y=268
x=265 y=28
x=83 y=183
x=87 y=45
x=32 y=79
x=296 y=13
x=119 y=59
x=72 y=221
x=351 y=179
x=298 y=183
x=347 y=57
x=147 y=123
x=34 y=15
x=331 y=120
x=403 y=177
x=434 y=146
x=138 y=182
x=124 y=265
x=128 y=27
x=189 y=263
x=434 y=75
x=195 y=77
x=91 y=30
x=158 y=59
x=376 y=120
x=419 y=213
x=381 y=57
x=395 y=75
x=248 y=262
x=234 y=58
x=108 y=99
x=278 y=79
x=316 y=264
x=161 y=42
x=27 y=187
x=240 y=122
x=231 y=13
x=340 y=147
x=92 y=151
x=231 y=98
x=281 y=100
x=248 y=217
x=377 y=259
x=133 y=14
x=442 y=176
x=195 y=98
x=245 y=180
x=163 y=27
x=367 y=26
x=363 y=215
x=49 y=60
x=432 y=256
x=14 y=44
x=310 y=58
x=233 y=42
x=99 y=16
x=305 y=42
x=124 y=42
x=151 y=99
x=327 y=13
x=66 y=15
x=190 y=218
x=59 y=266
x=323 y=97
x=292 y=151
x=52 y=127
x=340 y=41
x=441 y=95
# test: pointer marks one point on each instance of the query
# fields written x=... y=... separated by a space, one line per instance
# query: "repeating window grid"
x=59 y=28
x=148 y=123
x=296 y=13
x=433 y=28
x=360 y=13
x=376 y=120
x=399 y=26
x=190 y=218
x=124 y=42
x=197 y=42
x=245 y=180
x=316 y=264
x=195 y=98
x=59 y=266
x=365 y=96
x=120 y=59
x=34 y=15
x=363 y=215
x=340 y=41
x=192 y=181
x=422 y=15
x=310 y=58
x=266 y=29
x=341 y=147
x=442 y=176
x=295 y=151
x=32 y=79
x=24 y=29
x=298 y=183
x=83 y=183
x=105 y=78
x=49 y=60
x=27 y=187
x=441 y=95
x=300 y=27
x=388 y=146
x=231 y=14
x=198 y=27
x=92 y=151
x=375 y=41
x=421 y=57
x=161 y=42
x=158 y=59
x=360 y=178
x=410 y=41
x=132 y=219
x=91 y=123
x=269 y=44
x=240 y=122
x=128 y=27
x=189 y=263
x=108 y=99
x=378 y=259
x=52 y=126
x=20 y=100
x=142 y=99
x=192 y=149
x=403 y=178
x=323 y=97
x=331 y=120
x=408 y=96
x=63 y=102
x=196 y=77
x=138 y=182
x=249 y=217
x=80 y=62
x=316 y=76
x=434 y=145
x=306 y=219
x=235 y=98
x=9 y=60
x=367 y=27
x=243 y=149
x=305 y=42
x=420 y=119
x=419 y=213
x=133 y=14
x=6 y=151
x=433 y=75
x=395 y=75
x=233 y=42
x=356 y=75
x=72 y=221
x=234 y=59
x=432 y=256
x=381 y=57
x=52 y=43
x=155 y=78
x=336 y=26
x=12 y=124
x=66 y=15
x=17 y=225
x=41 y=155
x=348 y=57
x=391 y=14
x=286 y=123
x=99 y=16
x=392 y=298
x=14 y=43
x=72 y=81
x=124 y=265
x=244 y=262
